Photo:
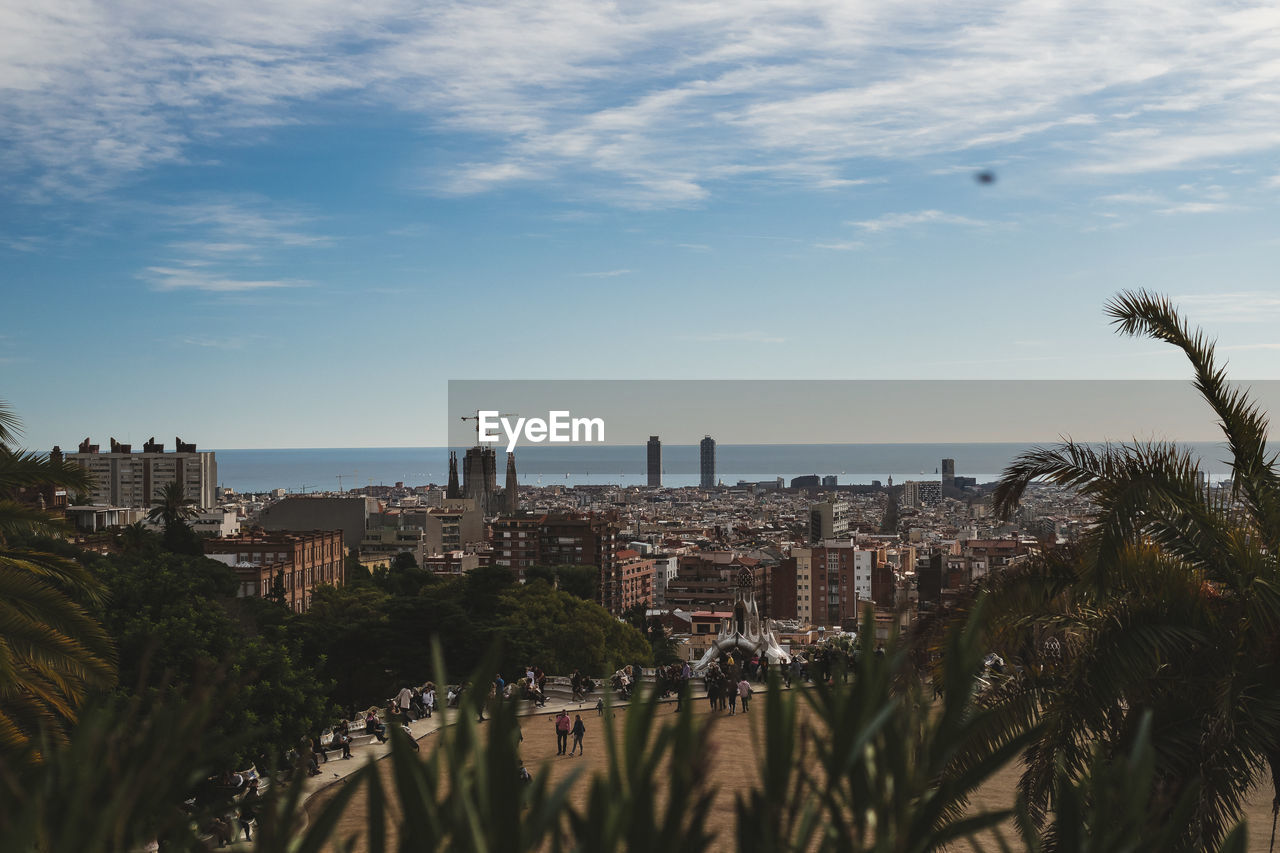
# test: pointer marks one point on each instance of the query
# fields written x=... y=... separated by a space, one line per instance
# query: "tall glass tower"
x=655 y=462
x=707 y=459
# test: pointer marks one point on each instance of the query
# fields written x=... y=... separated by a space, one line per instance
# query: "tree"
x=404 y=560
x=52 y=651
x=178 y=624
x=1170 y=607
x=172 y=509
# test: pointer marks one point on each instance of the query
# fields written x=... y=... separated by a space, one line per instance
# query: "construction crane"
x=476 y=418
x=340 y=476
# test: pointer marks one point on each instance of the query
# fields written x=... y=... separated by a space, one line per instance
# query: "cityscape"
x=649 y=427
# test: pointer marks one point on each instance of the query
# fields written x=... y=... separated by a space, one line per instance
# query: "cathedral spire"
x=512 y=493
x=453 y=491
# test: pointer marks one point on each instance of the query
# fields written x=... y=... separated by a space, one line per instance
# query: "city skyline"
x=234 y=220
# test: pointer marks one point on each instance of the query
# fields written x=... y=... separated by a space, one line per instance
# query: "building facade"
x=654 y=462
x=123 y=478
x=301 y=561
x=707 y=462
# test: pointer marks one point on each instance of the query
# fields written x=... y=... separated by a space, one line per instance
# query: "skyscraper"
x=948 y=475
x=707 y=460
x=655 y=462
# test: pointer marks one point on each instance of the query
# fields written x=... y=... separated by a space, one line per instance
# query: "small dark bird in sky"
x=985 y=176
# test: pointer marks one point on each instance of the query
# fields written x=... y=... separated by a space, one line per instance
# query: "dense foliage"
x=53 y=654
x=373 y=638
x=1169 y=610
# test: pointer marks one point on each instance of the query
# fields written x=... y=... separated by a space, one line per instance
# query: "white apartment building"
x=126 y=479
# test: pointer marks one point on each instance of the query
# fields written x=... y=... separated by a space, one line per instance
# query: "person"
x=575 y=684
x=374 y=726
x=579 y=729
x=308 y=757
x=744 y=692
x=499 y=686
x=731 y=692
x=429 y=699
x=342 y=738
x=221 y=829
x=764 y=670
x=599 y=706
x=249 y=809
x=562 y=732
x=404 y=699
x=318 y=749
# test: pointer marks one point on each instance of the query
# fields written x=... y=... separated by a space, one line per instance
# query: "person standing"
x=249 y=809
x=429 y=699
x=562 y=732
x=579 y=729
x=744 y=693
x=404 y=699
x=731 y=690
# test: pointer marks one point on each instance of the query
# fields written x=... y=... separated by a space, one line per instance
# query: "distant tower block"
x=707 y=462
x=512 y=494
x=948 y=475
x=655 y=462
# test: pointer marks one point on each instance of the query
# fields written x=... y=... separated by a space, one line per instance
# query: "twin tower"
x=706 y=462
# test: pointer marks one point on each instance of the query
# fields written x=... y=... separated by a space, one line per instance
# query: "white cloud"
x=1248 y=306
x=177 y=278
x=1195 y=207
x=891 y=221
x=841 y=245
x=646 y=105
x=604 y=274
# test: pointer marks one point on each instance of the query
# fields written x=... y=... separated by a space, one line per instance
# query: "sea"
x=302 y=470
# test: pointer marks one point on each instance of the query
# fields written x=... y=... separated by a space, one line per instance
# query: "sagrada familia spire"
x=511 y=493
x=454 y=491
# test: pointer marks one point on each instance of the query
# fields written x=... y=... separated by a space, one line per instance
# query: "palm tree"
x=52 y=651
x=1171 y=605
x=173 y=509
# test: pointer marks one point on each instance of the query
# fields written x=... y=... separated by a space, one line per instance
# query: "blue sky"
x=266 y=224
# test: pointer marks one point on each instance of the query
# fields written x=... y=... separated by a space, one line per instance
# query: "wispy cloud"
x=892 y=221
x=225 y=244
x=841 y=245
x=655 y=105
x=1239 y=307
x=1195 y=207
x=184 y=278
x=604 y=274
x=696 y=247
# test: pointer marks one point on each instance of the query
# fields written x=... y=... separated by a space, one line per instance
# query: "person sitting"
x=342 y=738
x=374 y=726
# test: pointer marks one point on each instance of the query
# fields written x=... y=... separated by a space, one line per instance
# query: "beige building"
x=123 y=478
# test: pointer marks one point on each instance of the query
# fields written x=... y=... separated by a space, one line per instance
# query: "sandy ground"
x=735 y=739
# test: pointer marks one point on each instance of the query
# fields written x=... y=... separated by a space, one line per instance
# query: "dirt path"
x=736 y=741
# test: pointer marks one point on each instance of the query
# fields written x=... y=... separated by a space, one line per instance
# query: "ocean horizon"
x=327 y=469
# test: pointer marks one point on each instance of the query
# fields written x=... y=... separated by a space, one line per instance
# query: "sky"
x=290 y=224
